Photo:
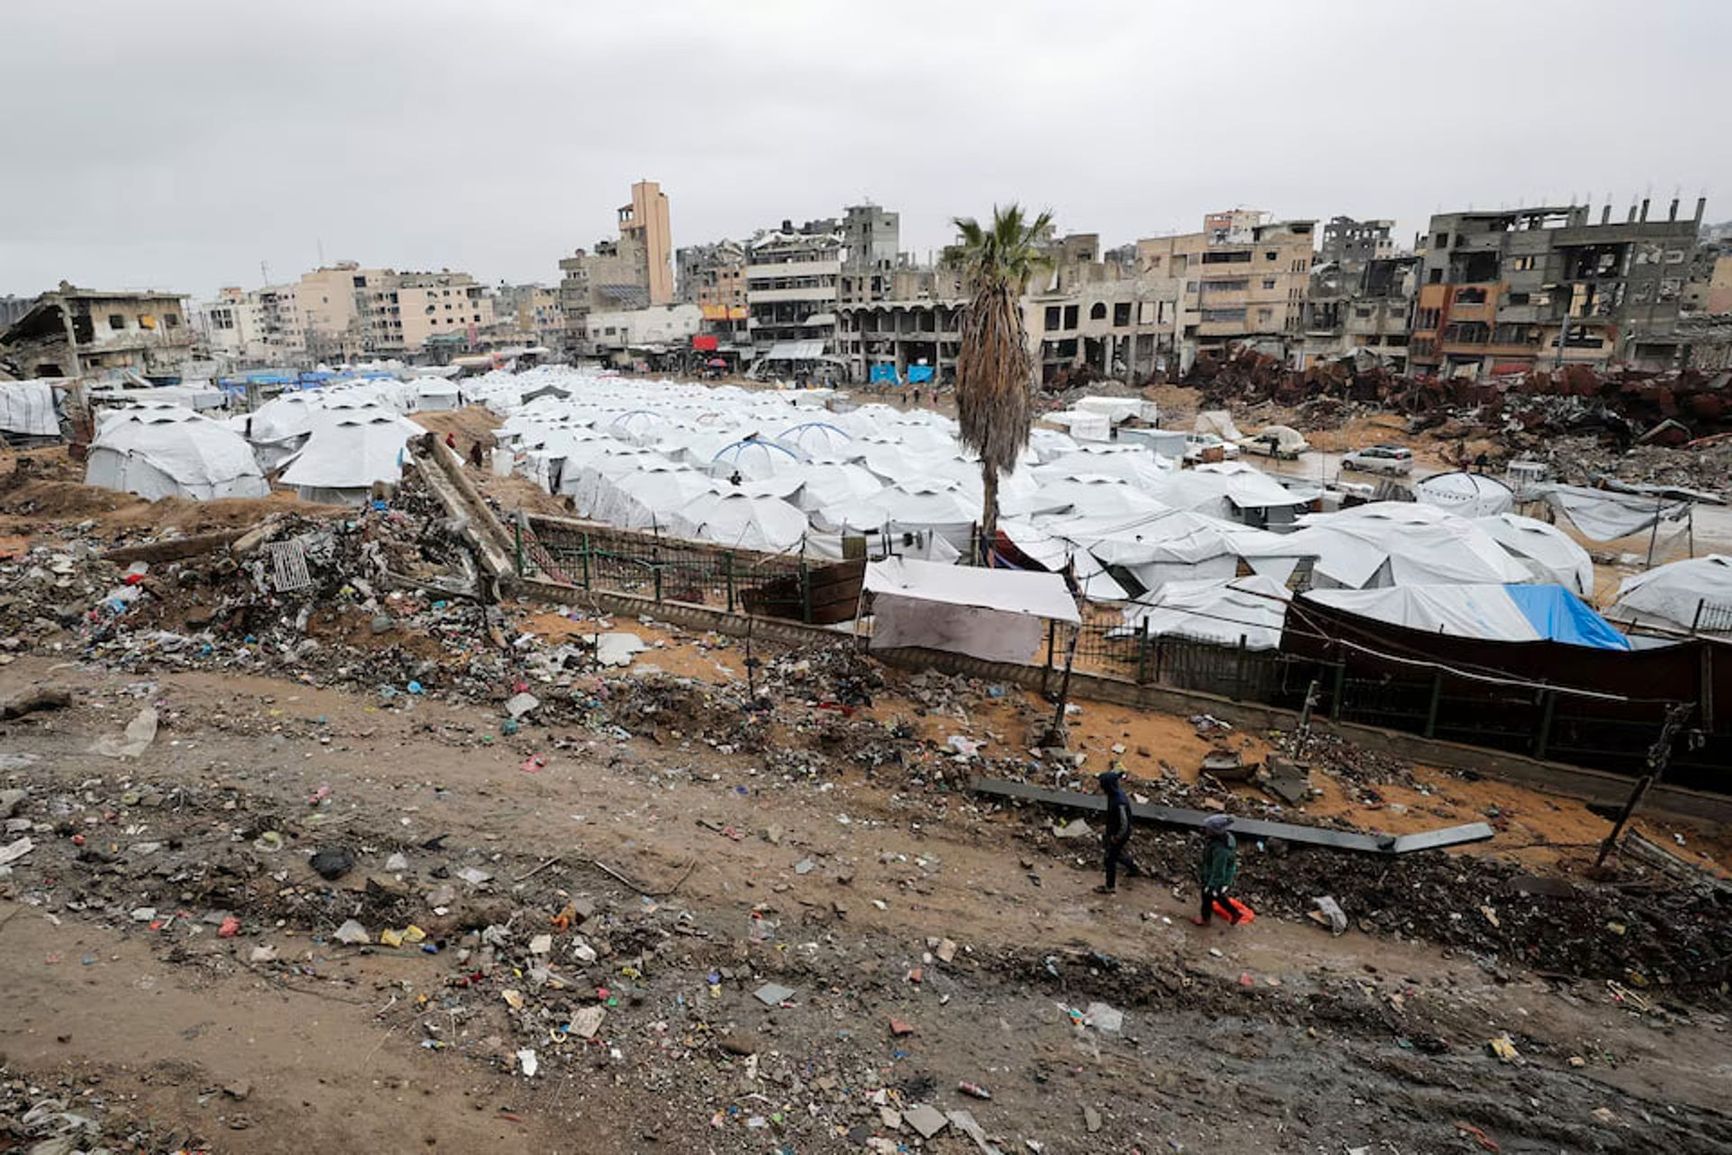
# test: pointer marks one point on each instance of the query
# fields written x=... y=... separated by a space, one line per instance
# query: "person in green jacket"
x=1217 y=867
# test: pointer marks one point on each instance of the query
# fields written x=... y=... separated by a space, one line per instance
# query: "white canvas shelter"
x=348 y=454
x=742 y=520
x=915 y=506
x=1225 y=491
x=433 y=394
x=1469 y=494
x=822 y=485
x=172 y=452
x=1248 y=608
x=1677 y=596
x=1167 y=545
x=997 y=615
x=1219 y=422
x=1549 y=553
x=1397 y=543
x=27 y=409
x=1093 y=495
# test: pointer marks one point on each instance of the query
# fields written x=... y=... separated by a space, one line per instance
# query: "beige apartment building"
x=1244 y=278
x=645 y=220
x=406 y=314
x=329 y=302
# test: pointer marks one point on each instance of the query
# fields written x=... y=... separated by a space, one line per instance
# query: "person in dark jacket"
x=1117 y=835
x=1217 y=867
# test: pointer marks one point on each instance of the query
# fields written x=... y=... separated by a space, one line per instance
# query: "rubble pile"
x=1620 y=409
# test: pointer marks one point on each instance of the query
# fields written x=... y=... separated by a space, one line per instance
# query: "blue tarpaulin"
x=1559 y=615
x=919 y=373
x=884 y=374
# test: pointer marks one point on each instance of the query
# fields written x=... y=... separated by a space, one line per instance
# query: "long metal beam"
x=1351 y=841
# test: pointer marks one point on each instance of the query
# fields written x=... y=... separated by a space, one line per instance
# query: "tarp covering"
x=1605 y=516
x=1390 y=543
x=1549 y=553
x=992 y=614
x=1503 y=613
x=1219 y=422
x=1251 y=608
x=27 y=409
x=1679 y=595
x=348 y=452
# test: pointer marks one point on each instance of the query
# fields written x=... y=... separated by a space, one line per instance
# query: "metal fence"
x=1712 y=618
x=661 y=569
x=1115 y=650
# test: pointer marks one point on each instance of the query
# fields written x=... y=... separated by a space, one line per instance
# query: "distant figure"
x=1217 y=867
x=1117 y=836
x=476 y=458
x=917 y=395
x=451 y=441
x=1479 y=463
x=734 y=480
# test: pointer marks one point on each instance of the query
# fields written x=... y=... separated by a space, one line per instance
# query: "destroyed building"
x=1368 y=306
x=792 y=279
x=1510 y=291
x=73 y=332
x=1353 y=243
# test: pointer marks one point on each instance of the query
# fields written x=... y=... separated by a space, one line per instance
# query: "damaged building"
x=1510 y=291
x=1360 y=306
x=73 y=332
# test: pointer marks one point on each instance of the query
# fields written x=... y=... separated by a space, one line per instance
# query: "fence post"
x=517 y=535
x=1160 y=653
x=1239 y=671
x=1436 y=700
x=805 y=592
x=728 y=573
x=1142 y=651
x=1549 y=702
x=656 y=568
x=586 y=561
x=1340 y=688
x=1051 y=640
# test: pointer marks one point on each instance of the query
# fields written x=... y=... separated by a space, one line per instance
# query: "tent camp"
x=742 y=520
x=1695 y=594
x=173 y=452
x=1603 y=515
x=996 y=615
x=1500 y=613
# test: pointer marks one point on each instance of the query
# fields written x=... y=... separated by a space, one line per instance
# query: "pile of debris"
x=74 y=1117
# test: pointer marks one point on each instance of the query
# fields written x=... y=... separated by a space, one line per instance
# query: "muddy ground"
x=172 y=970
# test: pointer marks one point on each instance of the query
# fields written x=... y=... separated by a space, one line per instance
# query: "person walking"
x=1117 y=836
x=1217 y=867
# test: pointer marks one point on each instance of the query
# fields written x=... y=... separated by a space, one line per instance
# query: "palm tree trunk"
x=988 y=511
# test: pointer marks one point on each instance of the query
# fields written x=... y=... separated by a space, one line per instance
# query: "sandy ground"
x=1307 y=1035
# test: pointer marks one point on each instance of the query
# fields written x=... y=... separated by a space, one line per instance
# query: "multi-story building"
x=1352 y=243
x=1718 y=298
x=791 y=288
x=871 y=237
x=407 y=313
x=713 y=274
x=72 y=332
x=645 y=220
x=329 y=300
x=229 y=325
x=1244 y=280
x=631 y=272
x=1509 y=291
x=1362 y=306
x=533 y=313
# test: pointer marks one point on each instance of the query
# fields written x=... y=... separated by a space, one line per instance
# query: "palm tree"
x=994 y=368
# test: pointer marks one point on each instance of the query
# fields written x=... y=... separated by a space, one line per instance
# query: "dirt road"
x=878 y=904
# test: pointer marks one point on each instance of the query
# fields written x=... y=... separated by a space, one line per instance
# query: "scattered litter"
x=773 y=994
x=139 y=734
x=352 y=933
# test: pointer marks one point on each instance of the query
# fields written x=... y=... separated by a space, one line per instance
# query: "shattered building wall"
x=73 y=332
x=1504 y=292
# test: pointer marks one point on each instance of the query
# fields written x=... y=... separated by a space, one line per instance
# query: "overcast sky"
x=182 y=144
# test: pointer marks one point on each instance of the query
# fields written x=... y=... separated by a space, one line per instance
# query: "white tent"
x=1173 y=545
x=1603 y=515
x=432 y=394
x=159 y=453
x=1501 y=613
x=742 y=520
x=916 y=505
x=997 y=615
x=820 y=439
x=1678 y=595
x=1396 y=543
x=1469 y=494
x=27 y=409
x=1054 y=553
x=832 y=483
x=1219 y=422
x=348 y=454
x=1088 y=495
x=1249 y=608
x=652 y=498
x=1549 y=553
x=1227 y=491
